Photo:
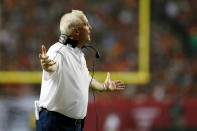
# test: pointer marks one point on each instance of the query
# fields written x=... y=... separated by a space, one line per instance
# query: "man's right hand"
x=46 y=63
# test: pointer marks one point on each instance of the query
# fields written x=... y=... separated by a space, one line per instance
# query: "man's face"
x=84 y=32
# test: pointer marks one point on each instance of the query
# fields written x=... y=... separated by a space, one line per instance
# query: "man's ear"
x=75 y=31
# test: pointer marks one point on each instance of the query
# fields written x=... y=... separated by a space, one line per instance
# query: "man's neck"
x=80 y=44
x=64 y=39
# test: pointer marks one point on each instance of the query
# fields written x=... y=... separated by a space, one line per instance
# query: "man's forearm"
x=98 y=86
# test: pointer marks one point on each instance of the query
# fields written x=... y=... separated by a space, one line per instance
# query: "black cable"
x=94 y=98
x=93 y=71
x=94 y=49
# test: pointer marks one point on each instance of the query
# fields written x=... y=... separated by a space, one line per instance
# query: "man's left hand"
x=116 y=85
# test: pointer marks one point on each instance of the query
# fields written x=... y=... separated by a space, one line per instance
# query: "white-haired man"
x=66 y=79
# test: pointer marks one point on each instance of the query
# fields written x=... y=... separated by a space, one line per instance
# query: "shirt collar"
x=76 y=50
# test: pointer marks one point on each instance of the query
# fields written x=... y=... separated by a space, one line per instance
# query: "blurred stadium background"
x=164 y=98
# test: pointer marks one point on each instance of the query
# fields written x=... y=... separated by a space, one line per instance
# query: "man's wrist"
x=104 y=87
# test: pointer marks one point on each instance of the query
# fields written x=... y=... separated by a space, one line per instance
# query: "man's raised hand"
x=113 y=85
x=46 y=63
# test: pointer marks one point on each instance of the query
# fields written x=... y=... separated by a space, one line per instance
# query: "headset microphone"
x=91 y=47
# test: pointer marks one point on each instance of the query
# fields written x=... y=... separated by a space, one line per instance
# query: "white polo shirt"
x=66 y=90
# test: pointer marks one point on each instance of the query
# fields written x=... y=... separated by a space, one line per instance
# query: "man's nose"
x=90 y=28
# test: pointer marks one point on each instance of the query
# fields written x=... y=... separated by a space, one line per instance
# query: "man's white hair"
x=74 y=19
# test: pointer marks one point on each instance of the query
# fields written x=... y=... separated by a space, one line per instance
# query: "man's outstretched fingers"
x=118 y=81
x=43 y=49
x=119 y=89
x=108 y=77
x=51 y=63
x=47 y=61
x=120 y=85
x=39 y=55
x=44 y=57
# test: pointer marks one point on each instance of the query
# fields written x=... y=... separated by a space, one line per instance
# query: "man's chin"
x=89 y=39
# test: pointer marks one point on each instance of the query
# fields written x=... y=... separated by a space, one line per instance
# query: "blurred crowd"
x=27 y=24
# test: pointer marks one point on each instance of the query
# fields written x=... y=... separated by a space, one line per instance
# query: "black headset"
x=64 y=39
